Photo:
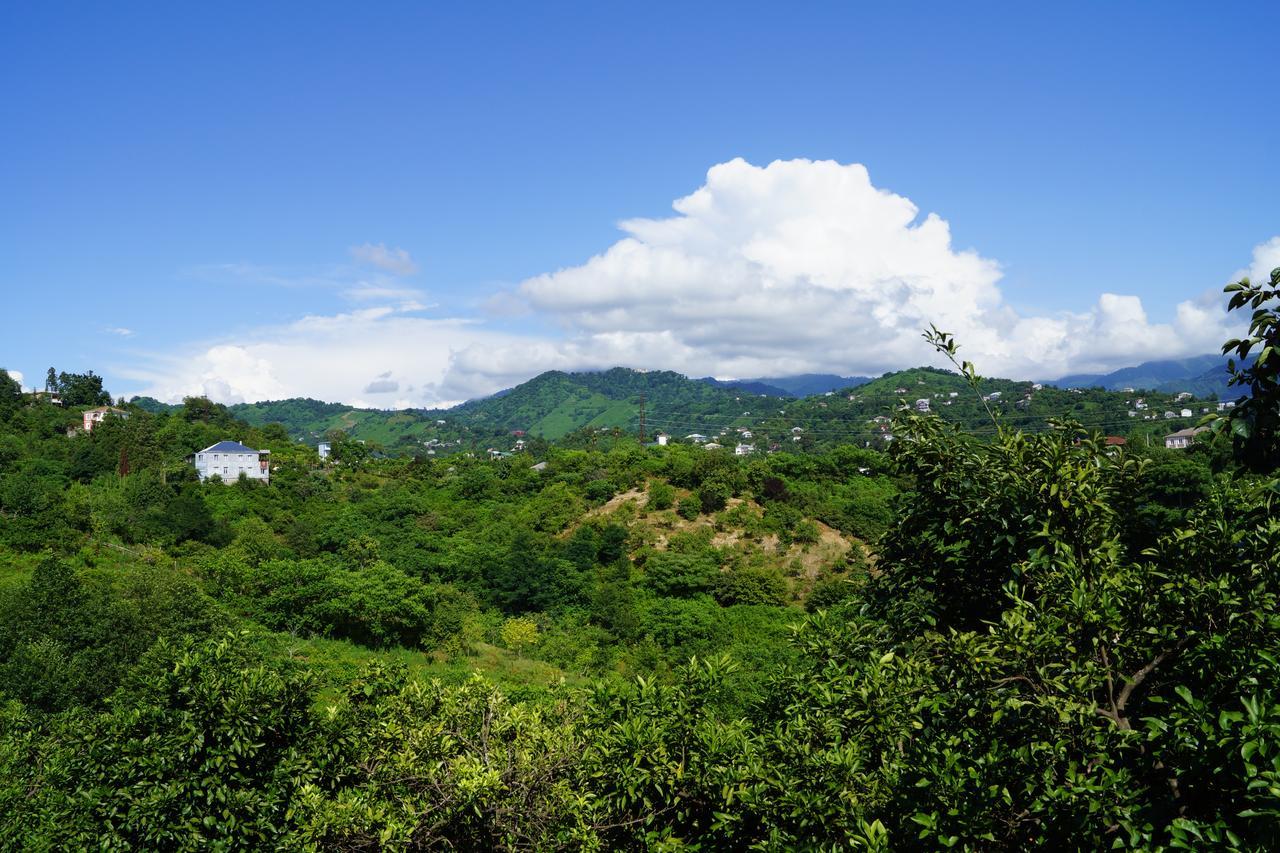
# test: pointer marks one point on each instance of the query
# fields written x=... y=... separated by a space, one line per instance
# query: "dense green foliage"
x=1018 y=639
x=1255 y=426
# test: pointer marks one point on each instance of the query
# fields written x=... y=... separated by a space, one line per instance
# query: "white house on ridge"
x=230 y=459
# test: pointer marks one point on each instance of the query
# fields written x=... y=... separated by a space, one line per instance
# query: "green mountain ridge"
x=574 y=407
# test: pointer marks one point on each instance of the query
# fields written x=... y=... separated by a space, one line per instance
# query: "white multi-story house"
x=230 y=459
x=323 y=449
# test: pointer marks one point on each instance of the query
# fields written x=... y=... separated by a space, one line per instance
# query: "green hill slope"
x=556 y=405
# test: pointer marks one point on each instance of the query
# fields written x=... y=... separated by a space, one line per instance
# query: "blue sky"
x=205 y=179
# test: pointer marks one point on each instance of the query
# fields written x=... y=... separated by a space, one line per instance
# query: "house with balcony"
x=1183 y=438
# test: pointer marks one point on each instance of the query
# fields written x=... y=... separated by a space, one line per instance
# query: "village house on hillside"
x=52 y=397
x=229 y=459
x=1183 y=438
x=93 y=417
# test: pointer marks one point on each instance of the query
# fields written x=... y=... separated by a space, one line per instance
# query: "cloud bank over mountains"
x=799 y=266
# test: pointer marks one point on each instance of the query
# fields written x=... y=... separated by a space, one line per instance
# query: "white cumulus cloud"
x=1266 y=257
x=807 y=266
x=392 y=260
x=328 y=357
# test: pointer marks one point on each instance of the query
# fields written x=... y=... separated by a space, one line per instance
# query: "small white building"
x=93 y=417
x=1183 y=438
x=744 y=449
x=324 y=449
x=695 y=437
x=922 y=405
x=1186 y=413
x=229 y=459
x=662 y=438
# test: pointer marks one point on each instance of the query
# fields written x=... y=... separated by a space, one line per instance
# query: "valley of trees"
x=989 y=633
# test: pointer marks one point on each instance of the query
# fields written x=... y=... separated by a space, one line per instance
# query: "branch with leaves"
x=945 y=343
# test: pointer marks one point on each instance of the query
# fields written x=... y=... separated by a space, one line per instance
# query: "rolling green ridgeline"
x=555 y=405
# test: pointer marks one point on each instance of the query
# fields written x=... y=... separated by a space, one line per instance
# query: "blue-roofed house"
x=229 y=459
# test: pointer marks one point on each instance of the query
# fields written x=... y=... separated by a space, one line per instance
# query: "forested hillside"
x=555 y=406
x=999 y=640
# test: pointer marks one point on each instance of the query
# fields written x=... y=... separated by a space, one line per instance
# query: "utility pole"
x=642 y=419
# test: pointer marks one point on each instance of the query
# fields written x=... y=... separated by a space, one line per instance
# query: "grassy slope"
x=337 y=662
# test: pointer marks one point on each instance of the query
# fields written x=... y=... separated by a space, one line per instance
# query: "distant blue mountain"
x=748 y=386
x=1200 y=374
x=802 y=385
